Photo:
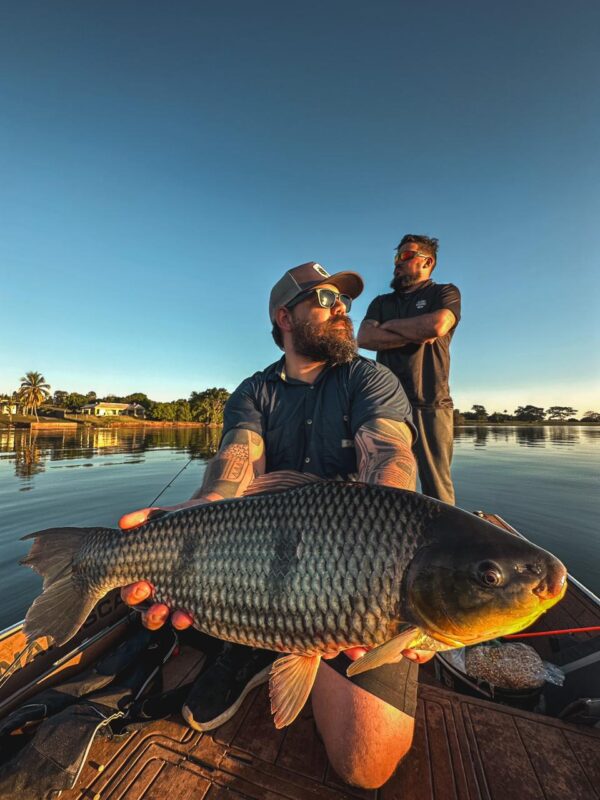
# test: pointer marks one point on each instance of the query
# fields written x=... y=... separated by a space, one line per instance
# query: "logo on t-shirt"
x=421 y=304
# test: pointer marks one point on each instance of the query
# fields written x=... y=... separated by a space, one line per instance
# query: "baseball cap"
x=305 y=277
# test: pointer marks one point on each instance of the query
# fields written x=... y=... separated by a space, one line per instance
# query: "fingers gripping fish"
x=308 y=567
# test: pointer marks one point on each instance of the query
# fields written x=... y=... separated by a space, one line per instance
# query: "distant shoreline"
x=516 y=423
x=98 y=422
x=46 y=423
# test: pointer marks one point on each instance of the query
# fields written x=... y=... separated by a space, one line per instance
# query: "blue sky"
x=162 y=164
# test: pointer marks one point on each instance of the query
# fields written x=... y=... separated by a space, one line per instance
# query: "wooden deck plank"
x=142 y=783
x=170 y=781
x=301 y=750
x=499 y=742
x=288 y=783
x=442 y=771
x=258 y=734
x=587 y=753
x=554 y=762
x=413 y=775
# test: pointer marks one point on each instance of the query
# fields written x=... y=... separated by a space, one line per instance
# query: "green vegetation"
x=204 y=407
x=33 y=392
x=525 y=414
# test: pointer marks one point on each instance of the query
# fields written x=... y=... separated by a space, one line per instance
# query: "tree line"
x=207 y=406
x=529 y=413
x=34 y=395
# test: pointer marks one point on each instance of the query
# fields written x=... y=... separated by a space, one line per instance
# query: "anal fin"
x=389 y=652
x=290 y=682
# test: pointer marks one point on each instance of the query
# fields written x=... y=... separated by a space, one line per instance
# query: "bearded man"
x=321 y=409
x=411 y=330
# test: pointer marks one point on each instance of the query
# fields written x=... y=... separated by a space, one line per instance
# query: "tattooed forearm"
x=384 y=454
x=230 y=471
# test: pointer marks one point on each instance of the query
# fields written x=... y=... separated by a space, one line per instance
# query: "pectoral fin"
x=388 y=653
x=290 y=682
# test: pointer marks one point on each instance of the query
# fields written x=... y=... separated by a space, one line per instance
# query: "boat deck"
x=464 y=748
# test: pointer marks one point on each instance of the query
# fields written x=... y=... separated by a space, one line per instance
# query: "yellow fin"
x=387 y=653
x=290 y=682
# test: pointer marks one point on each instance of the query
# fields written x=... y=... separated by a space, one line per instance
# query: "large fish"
x=308 y=567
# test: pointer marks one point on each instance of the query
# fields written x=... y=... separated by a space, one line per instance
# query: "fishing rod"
x=552 y=633
x=185 y=466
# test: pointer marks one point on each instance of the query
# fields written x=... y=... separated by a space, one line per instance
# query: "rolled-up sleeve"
x=241 y=410
x=450 y=299
x=377 y=394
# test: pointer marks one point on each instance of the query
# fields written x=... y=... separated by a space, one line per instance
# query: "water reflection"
x=525 y=435
x=31 y=452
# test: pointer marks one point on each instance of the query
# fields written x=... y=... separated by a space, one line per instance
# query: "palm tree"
x=34 y=390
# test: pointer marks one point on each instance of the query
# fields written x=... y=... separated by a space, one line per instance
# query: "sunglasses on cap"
x=408 y=255
x=326 y=298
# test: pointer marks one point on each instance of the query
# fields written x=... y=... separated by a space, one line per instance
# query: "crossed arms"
x=423 y=329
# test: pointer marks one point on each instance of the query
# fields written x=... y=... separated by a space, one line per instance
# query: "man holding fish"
x=321 y=409
x=342 y=579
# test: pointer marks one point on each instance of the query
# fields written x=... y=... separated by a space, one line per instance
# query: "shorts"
x=395 y=684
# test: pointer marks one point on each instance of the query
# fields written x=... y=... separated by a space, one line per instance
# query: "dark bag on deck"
x=73 y=714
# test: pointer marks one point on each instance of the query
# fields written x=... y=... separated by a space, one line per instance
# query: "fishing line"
x=185 y=466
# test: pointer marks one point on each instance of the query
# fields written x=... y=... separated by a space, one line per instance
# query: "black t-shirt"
x=311 y=427
x=423 y=369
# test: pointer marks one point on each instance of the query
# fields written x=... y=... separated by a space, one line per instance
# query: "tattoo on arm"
x=231 y=470
x=384 y=454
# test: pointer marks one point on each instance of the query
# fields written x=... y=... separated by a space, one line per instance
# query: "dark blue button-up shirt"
x=311 y=427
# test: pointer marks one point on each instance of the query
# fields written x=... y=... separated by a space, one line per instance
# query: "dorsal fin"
x=280 y=482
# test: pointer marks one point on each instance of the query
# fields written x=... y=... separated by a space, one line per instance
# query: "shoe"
x=220 y=691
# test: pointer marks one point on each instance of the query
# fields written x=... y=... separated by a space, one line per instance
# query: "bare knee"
x=367 y=770
x=365 y=737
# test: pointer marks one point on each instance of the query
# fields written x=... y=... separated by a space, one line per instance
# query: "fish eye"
x=490 y=574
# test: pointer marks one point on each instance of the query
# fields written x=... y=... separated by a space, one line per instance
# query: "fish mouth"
x=552 y=587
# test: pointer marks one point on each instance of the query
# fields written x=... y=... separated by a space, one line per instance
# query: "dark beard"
x=325 y=342
x=403 y=282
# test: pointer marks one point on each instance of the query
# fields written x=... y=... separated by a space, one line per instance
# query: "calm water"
x=543 y=480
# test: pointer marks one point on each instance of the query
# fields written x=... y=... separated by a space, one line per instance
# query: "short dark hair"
x=426 y=243
x=276 y=334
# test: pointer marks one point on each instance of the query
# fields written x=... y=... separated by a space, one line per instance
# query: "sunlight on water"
x=543 y=480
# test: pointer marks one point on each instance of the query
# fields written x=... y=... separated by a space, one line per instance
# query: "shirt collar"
x=420 y=286
x=278 y=373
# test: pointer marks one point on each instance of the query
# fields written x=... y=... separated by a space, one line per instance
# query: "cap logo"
x=322 y=272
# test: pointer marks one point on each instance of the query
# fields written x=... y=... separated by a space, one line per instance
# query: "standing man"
x=321 y=409
x=411 y=330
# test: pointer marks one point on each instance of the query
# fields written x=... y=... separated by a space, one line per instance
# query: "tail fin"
x=65 y=602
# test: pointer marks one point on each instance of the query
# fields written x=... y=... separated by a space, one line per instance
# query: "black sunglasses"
x=326 y=298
